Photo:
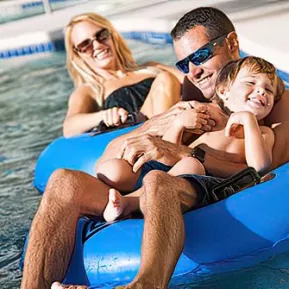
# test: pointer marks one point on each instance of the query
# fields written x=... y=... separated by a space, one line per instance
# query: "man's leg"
x=163 y=201
x=68 y=196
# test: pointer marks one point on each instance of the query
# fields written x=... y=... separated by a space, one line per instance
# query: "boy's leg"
x=121 y=206
x=188 y=165
x=117 y=173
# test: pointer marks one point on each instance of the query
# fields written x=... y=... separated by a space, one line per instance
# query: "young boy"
x=246 y=89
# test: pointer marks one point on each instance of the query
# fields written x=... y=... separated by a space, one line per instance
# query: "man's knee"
x=155 y=178
x=62 y=186
x=159 y=183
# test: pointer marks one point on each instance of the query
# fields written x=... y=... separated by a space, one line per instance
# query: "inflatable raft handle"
x=132 y=119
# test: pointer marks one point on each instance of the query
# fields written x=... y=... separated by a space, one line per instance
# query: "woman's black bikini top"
x=130 y=97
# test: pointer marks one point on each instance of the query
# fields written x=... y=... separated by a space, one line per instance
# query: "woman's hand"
x=114 y=116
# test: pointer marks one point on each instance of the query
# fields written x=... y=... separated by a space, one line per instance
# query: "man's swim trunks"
x=202 y=184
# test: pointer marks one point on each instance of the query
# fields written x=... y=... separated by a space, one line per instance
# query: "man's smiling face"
x=203 y=76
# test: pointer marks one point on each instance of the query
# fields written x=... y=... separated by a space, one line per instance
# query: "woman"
x=108 y=82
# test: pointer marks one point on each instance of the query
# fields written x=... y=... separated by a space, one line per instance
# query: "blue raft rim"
x=239 y=232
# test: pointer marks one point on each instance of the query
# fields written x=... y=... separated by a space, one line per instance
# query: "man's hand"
x=141 y=149
x=195 y=120
x=159 y=124
x=217 y=118
x=217 y=115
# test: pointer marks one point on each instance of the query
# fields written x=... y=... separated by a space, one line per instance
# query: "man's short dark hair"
x=215 y=21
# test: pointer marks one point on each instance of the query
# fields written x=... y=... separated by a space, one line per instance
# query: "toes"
x=114 y=196
x=57 y=285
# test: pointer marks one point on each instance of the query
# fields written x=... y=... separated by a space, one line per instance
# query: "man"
x=70 y=195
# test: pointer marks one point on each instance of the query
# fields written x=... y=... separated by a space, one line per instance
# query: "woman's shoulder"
x=152 y=70
x=157 y=67
x=84 y=90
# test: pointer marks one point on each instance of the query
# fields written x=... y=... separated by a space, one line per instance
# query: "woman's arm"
x=179 y=75
x=82 y=114
x=259 y=141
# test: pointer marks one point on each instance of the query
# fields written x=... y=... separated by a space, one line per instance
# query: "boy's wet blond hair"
x=229 y=72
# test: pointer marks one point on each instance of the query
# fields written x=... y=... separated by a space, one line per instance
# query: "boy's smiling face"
x=252 y=92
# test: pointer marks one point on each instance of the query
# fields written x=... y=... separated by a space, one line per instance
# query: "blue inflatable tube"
x=236 y=233
x=239 y=232
x=77 y=153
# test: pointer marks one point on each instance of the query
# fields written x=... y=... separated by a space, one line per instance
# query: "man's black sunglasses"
x=87 y=45
x=201 y=55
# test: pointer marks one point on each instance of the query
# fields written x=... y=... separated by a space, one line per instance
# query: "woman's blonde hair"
x=77 y=68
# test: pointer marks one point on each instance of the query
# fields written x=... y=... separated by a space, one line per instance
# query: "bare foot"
x=115 y=206
x=140 y=285
x=57 y=285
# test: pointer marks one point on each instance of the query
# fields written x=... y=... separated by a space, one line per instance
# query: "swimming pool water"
x=33 y=100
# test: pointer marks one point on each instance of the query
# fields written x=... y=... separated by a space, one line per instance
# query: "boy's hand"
x=194 y=117
x=236 y=122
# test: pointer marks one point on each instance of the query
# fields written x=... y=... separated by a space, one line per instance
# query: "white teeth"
x=101 y=54
x=204 y=80
x=258 y=101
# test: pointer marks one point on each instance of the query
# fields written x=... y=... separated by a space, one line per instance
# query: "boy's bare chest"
x=233 y=147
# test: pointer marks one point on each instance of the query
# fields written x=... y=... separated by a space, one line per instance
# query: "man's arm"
x=156 y=126
x=145 y=143
x=280 y=111
x=281 y=145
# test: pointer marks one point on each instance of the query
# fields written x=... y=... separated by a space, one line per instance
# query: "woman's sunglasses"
x=86 y=46
x=201 y=55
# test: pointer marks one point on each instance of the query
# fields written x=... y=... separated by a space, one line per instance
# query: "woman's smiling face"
x=252 y=92
x=99 y=49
